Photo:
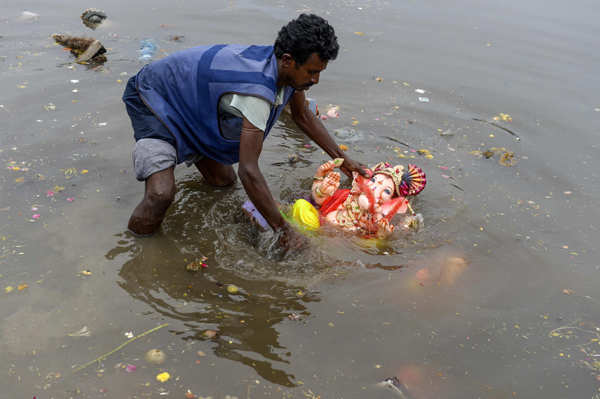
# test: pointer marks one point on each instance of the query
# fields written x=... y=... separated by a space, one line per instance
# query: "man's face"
x=302 y=77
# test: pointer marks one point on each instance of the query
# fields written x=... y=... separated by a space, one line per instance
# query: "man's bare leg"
x=158 y=196
x=216 y=173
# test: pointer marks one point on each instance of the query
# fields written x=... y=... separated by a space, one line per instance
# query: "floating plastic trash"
x=312 y=106
x=147 y=50
x=29 y=16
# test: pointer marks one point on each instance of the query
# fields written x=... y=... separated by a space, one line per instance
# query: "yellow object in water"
x=305 y=215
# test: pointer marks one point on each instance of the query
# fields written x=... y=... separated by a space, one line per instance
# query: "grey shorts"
x=153 y=155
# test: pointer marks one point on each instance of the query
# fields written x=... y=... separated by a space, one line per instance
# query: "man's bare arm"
x=254 y=183
x=314 y=128
x=256 y=187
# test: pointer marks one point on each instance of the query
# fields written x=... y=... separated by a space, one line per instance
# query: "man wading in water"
x=213 y=106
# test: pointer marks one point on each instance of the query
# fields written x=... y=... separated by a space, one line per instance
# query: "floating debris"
x=163 y=377
x=426 y=153
x=93 y=17
x=209 y=334
x=394 y=385
x=457 y=186
x=507 y=159
x=396 y=141
x=294 y=316
x=333 y=111
x=82 y=332
x=196 y=265
x=29 y=16
x=502 y=116
x=87 y=50
x=155 y=356
x=118 y=348
x=232 y=289
x=580 y=344
x=147 y=50
x=499 y=127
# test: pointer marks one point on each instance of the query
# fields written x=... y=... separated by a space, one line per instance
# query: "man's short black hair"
x=305 y=35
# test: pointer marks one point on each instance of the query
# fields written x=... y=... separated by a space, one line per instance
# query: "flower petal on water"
x=163 y=377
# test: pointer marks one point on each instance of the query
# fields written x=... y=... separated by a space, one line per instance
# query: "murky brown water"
x=470 y=307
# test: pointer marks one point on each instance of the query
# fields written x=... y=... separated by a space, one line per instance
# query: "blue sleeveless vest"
x=183 y=91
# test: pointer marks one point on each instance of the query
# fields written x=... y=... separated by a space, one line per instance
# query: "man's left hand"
x=350 y=166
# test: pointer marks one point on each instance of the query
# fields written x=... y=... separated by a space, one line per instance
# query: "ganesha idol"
x=367 y=208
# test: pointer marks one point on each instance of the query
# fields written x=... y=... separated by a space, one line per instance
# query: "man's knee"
x=227 y=179
x=215 y=173
x=160 y=197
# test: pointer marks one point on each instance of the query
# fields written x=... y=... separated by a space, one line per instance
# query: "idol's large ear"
x=393 y=206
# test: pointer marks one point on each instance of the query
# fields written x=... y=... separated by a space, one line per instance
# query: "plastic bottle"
x=312 y=105
x=147 y=50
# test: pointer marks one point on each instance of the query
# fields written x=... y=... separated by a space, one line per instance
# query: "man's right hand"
x=290 y=239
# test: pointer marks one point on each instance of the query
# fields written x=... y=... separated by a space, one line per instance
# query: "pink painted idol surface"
x=367 y=208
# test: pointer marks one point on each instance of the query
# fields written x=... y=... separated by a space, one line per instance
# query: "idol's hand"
x=384 y=228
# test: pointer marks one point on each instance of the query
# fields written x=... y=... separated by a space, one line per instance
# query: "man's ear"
x=287 y=60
